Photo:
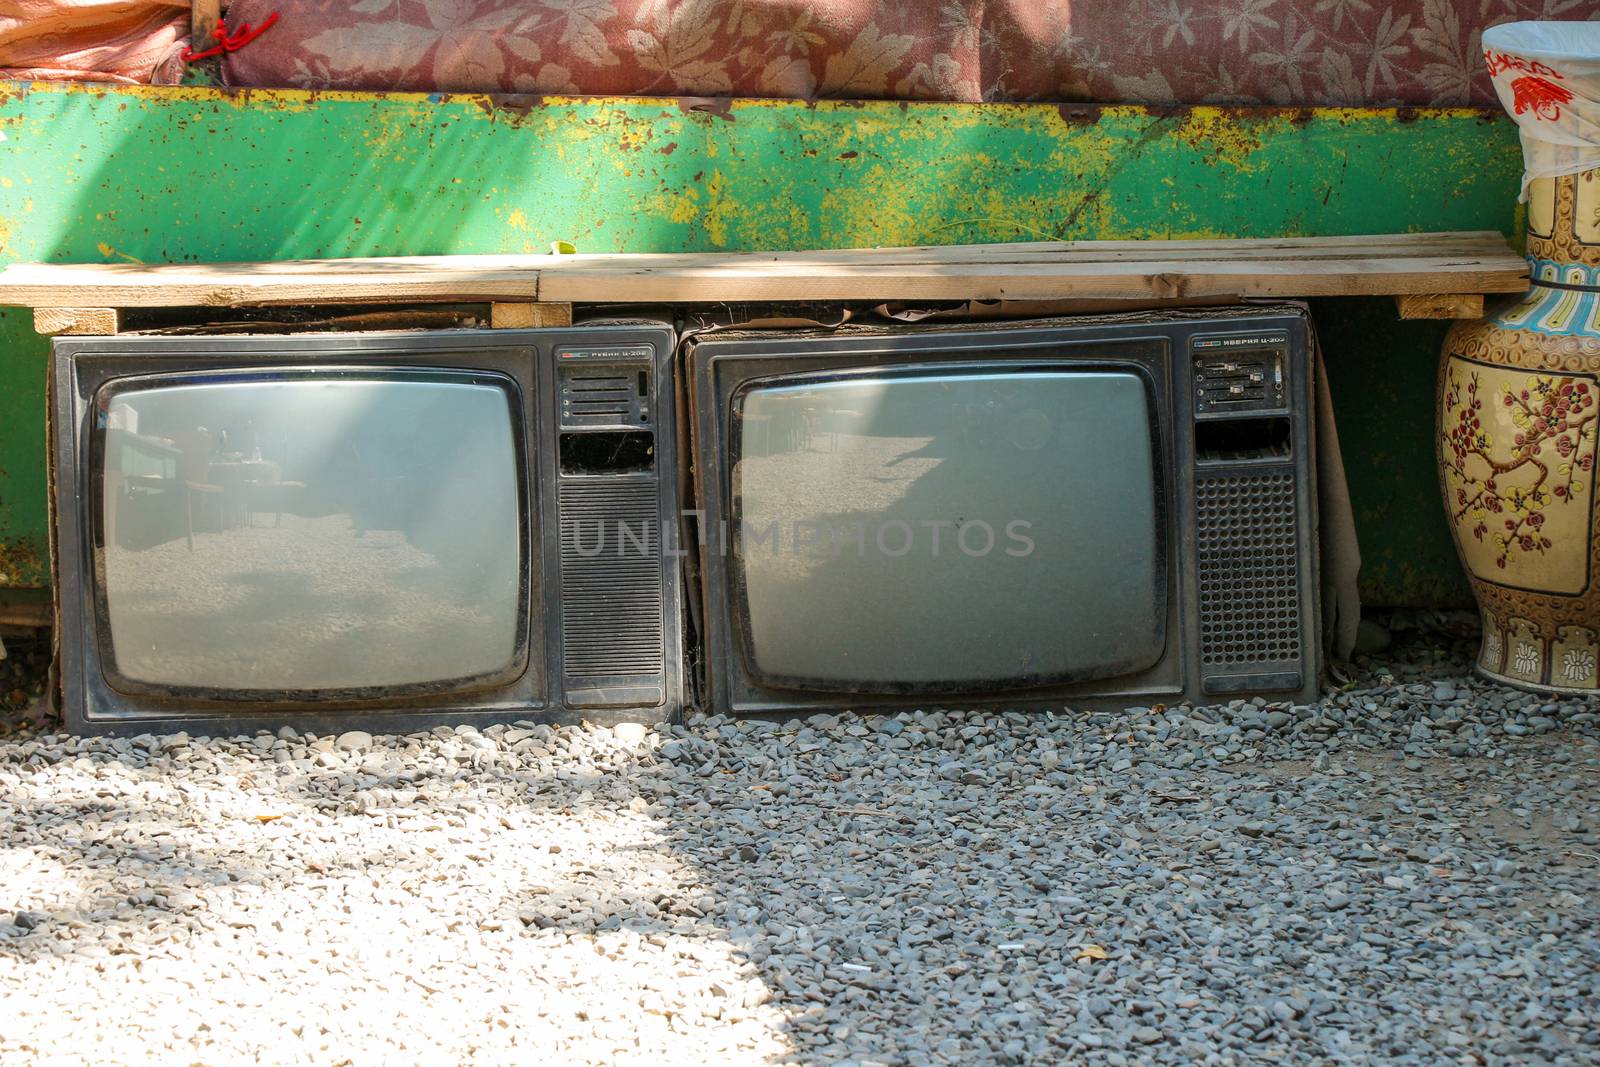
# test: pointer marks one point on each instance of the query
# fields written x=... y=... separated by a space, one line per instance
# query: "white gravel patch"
x=1404 y=873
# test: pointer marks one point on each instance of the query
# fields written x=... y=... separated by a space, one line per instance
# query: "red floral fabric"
x=1147 y=51
x=1330 y=52
x=1140 y=51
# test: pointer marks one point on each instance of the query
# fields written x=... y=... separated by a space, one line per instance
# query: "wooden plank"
x=1106 y=281
x=52 y=321
x=203 y=16
x=1440 y=305
x=412 y=279
x=1382 y=265
x=1319 y=248
x=25 y=614
x=513 y=316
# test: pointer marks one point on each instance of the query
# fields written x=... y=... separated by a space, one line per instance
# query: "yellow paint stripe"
x=304 y=98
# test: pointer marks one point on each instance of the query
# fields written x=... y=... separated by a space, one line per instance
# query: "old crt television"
x=394 y=530
x=1101 y=511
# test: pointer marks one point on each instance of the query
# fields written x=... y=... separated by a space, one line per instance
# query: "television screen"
x=358 y=532
x=948 y=528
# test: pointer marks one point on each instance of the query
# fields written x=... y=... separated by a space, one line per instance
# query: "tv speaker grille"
x=1248 y=549
x=611 y=572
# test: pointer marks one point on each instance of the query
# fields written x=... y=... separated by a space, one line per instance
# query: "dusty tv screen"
x=950 y=528
x=319 y=533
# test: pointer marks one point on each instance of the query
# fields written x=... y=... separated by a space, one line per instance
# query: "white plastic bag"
x=1548 y=78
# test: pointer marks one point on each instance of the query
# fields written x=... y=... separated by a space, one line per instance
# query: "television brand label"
x=626 y=354
x=1242 y=342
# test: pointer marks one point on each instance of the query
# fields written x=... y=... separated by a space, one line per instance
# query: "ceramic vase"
x=1519 y=407
x=1519 y=391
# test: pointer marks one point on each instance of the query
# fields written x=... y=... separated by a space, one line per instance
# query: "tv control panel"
x=608 y=387
x=1240 y=374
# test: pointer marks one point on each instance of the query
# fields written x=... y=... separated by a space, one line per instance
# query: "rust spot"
x=668 y=148
x=1078 y=115
x=22 y=564
x=514 y=107
x=848 y=155
x=721 y=106
x=1406 y=114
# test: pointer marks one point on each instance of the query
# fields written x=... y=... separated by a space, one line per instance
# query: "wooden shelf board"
x=1384 y=265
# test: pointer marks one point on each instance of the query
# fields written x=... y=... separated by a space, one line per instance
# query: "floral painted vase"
x=1520 y=404
x=1520 y=394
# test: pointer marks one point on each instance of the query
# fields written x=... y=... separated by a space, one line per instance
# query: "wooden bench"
x=1431 y=275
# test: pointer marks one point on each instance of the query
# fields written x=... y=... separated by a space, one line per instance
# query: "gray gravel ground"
x=1404 y=873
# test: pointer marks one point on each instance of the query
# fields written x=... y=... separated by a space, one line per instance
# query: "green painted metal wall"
x=94 y=173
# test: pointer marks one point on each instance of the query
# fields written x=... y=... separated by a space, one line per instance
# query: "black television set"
x=392 y=529
x=1112 y=510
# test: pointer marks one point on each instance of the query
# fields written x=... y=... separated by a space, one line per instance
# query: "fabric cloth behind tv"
x=1336 y=520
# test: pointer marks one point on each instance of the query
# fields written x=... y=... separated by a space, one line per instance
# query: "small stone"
x=1146 y=1035
x=353 y=741
x=630 y=733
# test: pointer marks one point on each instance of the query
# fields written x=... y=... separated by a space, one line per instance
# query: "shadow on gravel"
x=142 y=822
x=162 y=885
x=1184 y=886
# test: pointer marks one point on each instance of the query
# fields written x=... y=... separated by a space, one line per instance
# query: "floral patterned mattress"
x=1146 y=51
